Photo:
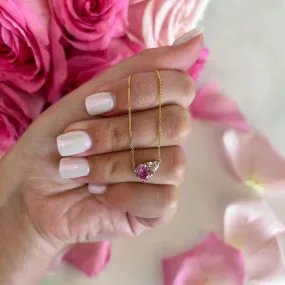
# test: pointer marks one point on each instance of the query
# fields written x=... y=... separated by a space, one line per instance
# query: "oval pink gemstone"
x=143 y=172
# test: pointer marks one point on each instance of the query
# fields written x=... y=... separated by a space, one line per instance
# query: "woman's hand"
x=41 y=213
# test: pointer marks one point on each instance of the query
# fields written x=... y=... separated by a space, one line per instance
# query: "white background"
x=247 y=40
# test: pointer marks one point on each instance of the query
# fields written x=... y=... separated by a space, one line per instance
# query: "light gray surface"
x=245 y=38
x=247 y=41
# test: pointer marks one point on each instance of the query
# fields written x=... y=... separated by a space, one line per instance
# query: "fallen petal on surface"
x=254 y=161
x=208 y=263
x=252 y=227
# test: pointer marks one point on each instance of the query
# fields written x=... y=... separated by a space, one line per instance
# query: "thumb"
x=72 y=109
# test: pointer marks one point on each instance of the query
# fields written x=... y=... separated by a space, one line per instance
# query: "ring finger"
x=116 y=167
x=112 y=134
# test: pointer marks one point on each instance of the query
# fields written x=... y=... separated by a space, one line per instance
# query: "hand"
x=49 y=212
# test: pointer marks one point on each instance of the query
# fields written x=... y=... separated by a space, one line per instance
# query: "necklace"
x=145 y=170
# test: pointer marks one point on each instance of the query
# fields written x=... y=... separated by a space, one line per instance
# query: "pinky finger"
x=148 y=201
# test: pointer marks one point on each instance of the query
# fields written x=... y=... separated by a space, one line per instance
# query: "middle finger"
x=112 y=134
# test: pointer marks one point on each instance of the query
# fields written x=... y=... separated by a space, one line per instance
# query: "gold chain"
x=159 y=119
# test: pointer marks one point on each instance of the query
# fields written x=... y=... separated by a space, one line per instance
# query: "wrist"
x=24 y=255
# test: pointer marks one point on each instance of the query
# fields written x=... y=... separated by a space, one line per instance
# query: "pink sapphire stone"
x=143 y=172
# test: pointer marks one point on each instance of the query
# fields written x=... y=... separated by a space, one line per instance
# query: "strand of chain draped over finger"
x=145 y=170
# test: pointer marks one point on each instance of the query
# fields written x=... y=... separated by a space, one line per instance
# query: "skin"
x=42 y=214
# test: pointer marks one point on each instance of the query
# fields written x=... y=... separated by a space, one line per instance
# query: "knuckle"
x=111 y=168
x=178 y=126
x=105 y=169
x=152 y=53
x=111 y=136
x=144 y=89
x=177 y=164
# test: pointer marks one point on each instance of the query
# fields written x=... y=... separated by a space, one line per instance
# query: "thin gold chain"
x=159 y=119
x=159 y=115
x=130 y=123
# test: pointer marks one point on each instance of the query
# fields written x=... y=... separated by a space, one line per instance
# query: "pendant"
x=146 y=170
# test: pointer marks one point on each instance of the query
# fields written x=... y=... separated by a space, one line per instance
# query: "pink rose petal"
x=89 y=258
x=17 y=110
x=250 y=224
x=35 y=59
x=252 y=227
x=210 y=261
x=210 y=104
x=90 y=25
x=255 y=161
x=82 y=66
x=267 y=264
x=196 y=69
x=158 y=23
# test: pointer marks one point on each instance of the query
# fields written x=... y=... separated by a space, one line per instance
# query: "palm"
x=64 y=210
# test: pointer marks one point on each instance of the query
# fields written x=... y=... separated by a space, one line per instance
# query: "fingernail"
x=96 y=189
x=73 y=143
x=74 y=167
x=189 y=36
x=99 y=103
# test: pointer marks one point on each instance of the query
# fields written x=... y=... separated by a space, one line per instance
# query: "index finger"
x=72 y=108
x=177 y=88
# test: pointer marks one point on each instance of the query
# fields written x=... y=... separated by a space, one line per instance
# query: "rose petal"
x=211 y=260
x=210 y=104
x=254 y=160
x=82 y=66
x=267 y=264
x=89 y=29
x=35 y=58
x=159 y=23
x=31 y=105
x=196 y=69
x=17 y=109
x=250 y=224
x=89 y=258
x=252 y=227
x=6 y=141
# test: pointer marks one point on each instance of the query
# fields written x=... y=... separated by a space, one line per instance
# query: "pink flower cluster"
x=50 y=47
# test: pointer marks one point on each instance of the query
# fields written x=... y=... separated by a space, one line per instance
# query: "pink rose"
x=83 y=66
x=30 y=53
x=17 y=110
x=91 y=24
x=160 y=22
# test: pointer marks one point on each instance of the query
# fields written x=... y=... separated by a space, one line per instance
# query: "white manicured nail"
x=74 y=167
x=73 y=143
x=96 y=189
x=99 y=103
x=189 y=36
